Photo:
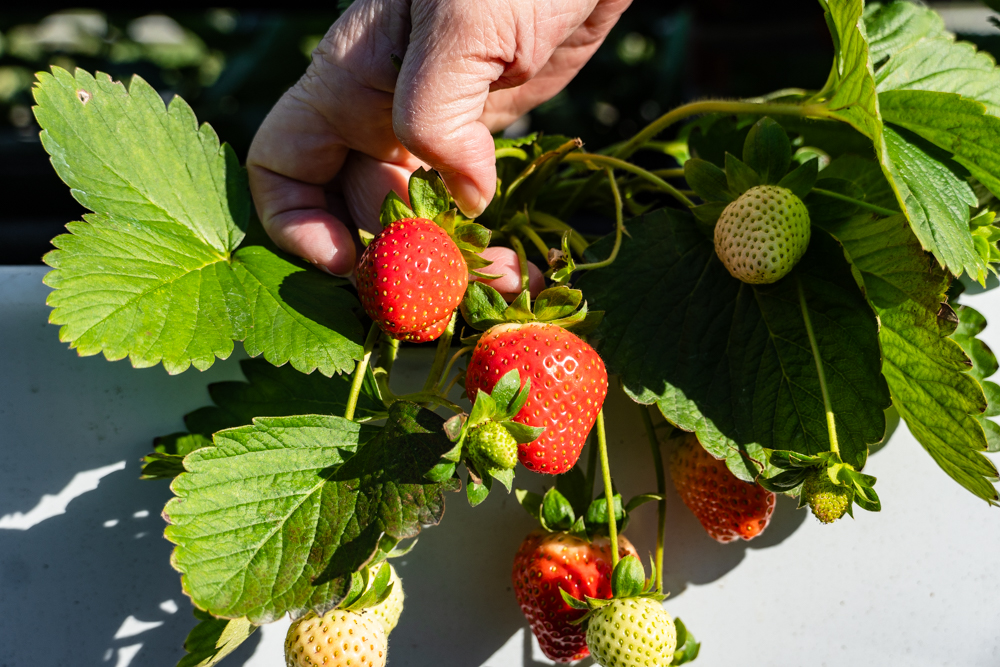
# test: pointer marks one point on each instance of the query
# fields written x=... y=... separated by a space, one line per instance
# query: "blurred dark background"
x=231 y=64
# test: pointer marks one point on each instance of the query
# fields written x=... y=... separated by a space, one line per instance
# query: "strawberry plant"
x=797 y=274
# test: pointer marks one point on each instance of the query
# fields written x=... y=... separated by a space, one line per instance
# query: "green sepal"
x=365 y=236
x=708 y=214
x=687 y=646
x=505 y=391
x=785 y=481
x=441 y=472
x=519 y=309
x=503 y=475
x=573 y=602
x=475 y=491
x=579 y=529
x=708 y=181
x=530 y=501
x=739 y=176
x=583 y=322
x=573 y=485
x=394 y=209
x=428 y=194
x=641 y=499
x=522 y=432
x=471 y=236
x=557 y=512
x=597 y=513
x=483 y=307
x=767 y=150
x=398 y=552
x=557 y=302
x=372 y=589
x=801 y=180
x=562 y=262
x=629 y=578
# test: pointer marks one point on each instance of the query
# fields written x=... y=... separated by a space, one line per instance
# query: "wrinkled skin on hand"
x=353 y=127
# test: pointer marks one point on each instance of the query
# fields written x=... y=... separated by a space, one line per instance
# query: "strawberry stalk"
x=602 y=446
x=616 y=163
x=441 y=356
x=359 y=372
x=522 y=260
x=532 y=236
x=831 y=423
x=550 y=223
x=619 y=225
x=447 y=371
x=661 y=490
x=686 y=111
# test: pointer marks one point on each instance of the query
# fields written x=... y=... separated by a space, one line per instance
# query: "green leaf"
x=894 y=26
x=154 y=274
x=276 y=516
x=300 y=316
x=731 y=361
x=167 y=459
x=767 y=150
x=272 y=391
x=213 y=639
x=936 y=200
x=708 y=181
x=970 y=324
x=739 y=176
x=428 y=195
x=687 y=646
x=515 y=142
x=927 y=372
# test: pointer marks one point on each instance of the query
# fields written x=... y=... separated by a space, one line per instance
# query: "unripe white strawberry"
x=388 y=611
x=632 y=632
x=336 y=639
x=763 y=234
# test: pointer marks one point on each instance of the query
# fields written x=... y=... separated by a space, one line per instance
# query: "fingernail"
x=323 y=267
x=468 y=198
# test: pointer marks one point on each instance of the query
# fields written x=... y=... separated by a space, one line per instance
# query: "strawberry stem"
x=831 y=423
x=447 y=370
x=661 y=490
x=443 y=347
x=359 y=372
x=602 y=444
x=619 y=225
x=617 y=163
x=551 y=223
x=535 y=239
x=522 y=260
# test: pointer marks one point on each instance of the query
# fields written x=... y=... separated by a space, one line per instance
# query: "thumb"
x=439 y=98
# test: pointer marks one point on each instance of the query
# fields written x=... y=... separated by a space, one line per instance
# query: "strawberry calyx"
x=767 y=156
x=627 y=581
x=476 y=434
x=799 y=473
x=483 y=308
x=429 y=200
x=368 y=589
x=567 y=507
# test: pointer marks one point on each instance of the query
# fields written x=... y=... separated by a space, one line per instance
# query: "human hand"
x=346 y=133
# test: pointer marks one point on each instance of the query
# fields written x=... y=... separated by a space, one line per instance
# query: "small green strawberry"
x=632 y=632
x=762 y=235
x=828 y=501
x=494 y=442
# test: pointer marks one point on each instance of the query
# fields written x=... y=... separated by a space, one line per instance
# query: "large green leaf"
x=154 y=273
x=927 y=372
x=916 y=55
x=984 y=364
x=276 y=515
x=731 y=361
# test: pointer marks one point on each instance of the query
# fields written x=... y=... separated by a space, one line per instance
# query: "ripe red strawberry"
x=411 y=277
x=547 y=562
x=568 y=386
x=726 y=506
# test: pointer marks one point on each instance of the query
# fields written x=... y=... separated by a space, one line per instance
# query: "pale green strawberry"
x=632 y=632
x=388 y=611
x=495 y=443
x=336 y=639
x=763 y=234
x=828 y=501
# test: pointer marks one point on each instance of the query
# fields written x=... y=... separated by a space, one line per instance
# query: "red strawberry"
x=547 y=562
x=726 y=506
x=426 y=335
x=411 y=277
x=568 y=386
